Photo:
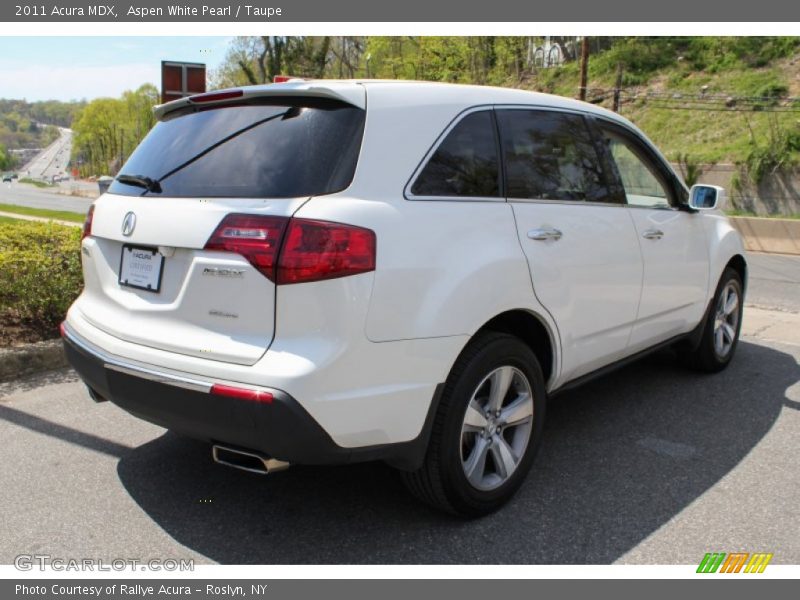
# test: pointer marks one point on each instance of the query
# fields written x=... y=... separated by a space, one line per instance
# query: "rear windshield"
x=281 y=148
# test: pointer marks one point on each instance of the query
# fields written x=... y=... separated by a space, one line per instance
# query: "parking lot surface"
x=651 y=464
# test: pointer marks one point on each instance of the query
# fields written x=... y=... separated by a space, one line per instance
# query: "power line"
x=702 y=101
x=728 y=109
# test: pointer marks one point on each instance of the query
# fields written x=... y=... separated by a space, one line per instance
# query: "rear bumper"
x=281 y=429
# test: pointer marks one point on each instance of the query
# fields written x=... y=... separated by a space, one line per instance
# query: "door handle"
x=653 y=234
x=544 y=234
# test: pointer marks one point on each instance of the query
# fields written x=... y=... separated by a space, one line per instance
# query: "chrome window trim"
x=408 y=195
x=641 y=206
x=565 y=202
x=413 y=198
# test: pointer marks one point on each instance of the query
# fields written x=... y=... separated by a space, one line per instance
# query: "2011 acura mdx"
x=327 y=272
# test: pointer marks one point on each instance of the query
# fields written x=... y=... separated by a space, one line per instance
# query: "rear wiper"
x=148 y=183
x=287 y=114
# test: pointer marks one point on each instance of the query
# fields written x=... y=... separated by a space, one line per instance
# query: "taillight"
x=317 y=250
x=255 y=237
x=87 y=223
x=310 y=250
x=216 y=96
x=285 y=78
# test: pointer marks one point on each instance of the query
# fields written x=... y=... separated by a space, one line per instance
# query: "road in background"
x=23 y=194
x=49 y=163
x=774 y=281
x=52 y=161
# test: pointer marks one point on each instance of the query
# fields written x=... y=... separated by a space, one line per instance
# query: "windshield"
x=278 y=148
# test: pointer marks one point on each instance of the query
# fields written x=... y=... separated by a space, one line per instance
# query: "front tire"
x=487 y=428
x=723 y=324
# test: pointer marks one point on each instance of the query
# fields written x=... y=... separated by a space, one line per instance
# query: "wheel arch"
x=531 y=329
x=739 y=264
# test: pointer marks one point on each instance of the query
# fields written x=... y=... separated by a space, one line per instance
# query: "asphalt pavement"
x=774 y=281
x=55 y=198
x=52 y=160
x=652 y=464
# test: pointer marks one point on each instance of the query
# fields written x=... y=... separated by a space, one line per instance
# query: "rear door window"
x=278 y=148
x=466 y=163
x=550 y=156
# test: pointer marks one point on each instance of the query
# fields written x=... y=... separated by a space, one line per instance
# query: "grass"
x=706 y=136
x=36 y=182
x=61 y=215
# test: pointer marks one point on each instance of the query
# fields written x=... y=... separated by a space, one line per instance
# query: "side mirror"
x=707 y=197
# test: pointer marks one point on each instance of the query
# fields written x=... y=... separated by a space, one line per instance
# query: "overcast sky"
x=73 y=68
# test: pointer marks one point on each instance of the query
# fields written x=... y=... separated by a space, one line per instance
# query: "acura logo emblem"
x=128 y=224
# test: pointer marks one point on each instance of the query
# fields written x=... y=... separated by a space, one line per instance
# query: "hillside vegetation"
x=701 y=99
x=31 y=125
x=715 y=99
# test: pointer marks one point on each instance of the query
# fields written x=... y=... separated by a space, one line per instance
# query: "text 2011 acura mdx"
x=328 y=272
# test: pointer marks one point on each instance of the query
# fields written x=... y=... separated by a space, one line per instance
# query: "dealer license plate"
x=141 y=268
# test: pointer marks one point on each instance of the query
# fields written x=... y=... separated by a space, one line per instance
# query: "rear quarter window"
x=279 y=148
x=465 y=164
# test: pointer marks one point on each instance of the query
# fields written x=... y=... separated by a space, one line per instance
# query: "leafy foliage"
x=107 y=130
x=780 y=151
x=470 y=59
x=690 y=169
x=6 y=159
x=40 y=271
x=32 y=125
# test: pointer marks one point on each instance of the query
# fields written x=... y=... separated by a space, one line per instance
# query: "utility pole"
x=618 y=87
x=584 y=66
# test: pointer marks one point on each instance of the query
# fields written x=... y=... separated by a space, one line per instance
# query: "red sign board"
x=180 y=79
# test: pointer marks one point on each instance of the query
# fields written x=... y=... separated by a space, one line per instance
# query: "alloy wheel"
x=726 y=320
x=496 y=428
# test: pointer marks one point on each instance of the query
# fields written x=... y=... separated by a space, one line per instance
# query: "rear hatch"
x=167 y=263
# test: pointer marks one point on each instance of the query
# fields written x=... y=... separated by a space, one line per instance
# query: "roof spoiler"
x=350 y=93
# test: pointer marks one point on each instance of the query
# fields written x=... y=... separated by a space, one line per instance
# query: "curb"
x=18 y=361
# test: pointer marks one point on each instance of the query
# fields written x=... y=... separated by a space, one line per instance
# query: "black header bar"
x=452 y=11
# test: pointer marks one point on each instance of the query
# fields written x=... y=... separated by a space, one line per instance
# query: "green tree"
x=6 y=159
x=107 y=130
x=256 y=60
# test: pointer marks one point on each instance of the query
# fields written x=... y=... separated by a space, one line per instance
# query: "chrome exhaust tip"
x=252 y=462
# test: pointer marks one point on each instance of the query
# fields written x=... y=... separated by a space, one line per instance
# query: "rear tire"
x=487 y=428
x=721 y=330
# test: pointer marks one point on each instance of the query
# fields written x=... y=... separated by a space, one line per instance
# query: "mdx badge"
x=217 y=272
x=128 y=224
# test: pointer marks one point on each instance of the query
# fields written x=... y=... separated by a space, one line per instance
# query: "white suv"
x=326 y=272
